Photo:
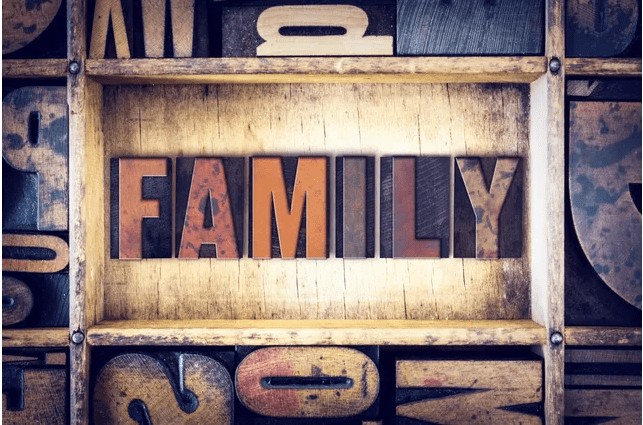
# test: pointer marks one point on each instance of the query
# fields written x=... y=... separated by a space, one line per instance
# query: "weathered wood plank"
x=36 y=68
x=602 y=335
x=42 y=337
x=595 y=67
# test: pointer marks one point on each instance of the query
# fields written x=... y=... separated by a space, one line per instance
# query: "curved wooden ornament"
x=307 y=382
x=23 y=21
x=53 y=243
x=137 y=388
x=17 y=301
x=604 y=159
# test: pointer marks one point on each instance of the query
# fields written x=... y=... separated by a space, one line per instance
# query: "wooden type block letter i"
x=415 y=207
x=141 y=208
x=209 y=207
x=286 y=186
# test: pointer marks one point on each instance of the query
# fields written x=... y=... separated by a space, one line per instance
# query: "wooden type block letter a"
x=415 y=207
x=35 y=140
x=209 y=207
x=141 y=208
x=285 y=185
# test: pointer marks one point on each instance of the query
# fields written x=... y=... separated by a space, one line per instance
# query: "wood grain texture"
x=36 y=68
x=257 y=374
x=43 y=337
x=23 y=21
x=51 y=243
x=316 y=119
x=45 y=398
x=108 y=12
x=19 y=301
x=503 y=27
x=617 y=67
x=317 y=332
x=318 y=70
x=578 y=355
x=505 y=383
x=138 y=387
x=602 y=335
x=604 y=403
x=35 y=140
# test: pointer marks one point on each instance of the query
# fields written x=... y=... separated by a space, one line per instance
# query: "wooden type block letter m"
x=286 y=186
x=140 y=208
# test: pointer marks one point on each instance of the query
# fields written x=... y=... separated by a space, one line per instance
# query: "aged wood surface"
x=505 y=383
x=19 y=301
x=53 y=243
x=45 y=395
x=317 y=332
x=35 y=140
x=604 y=403
x=109 y=13
x=617 y=67
x=578 y=355
x=41 y=337
x=182 y=18
x=601 y=335
x=23 y=21
x=298 y=70
x=137 y=388
x=426 y=27
x=36 y=68
x=604 y=159
x=257 y=385
x=314 y=119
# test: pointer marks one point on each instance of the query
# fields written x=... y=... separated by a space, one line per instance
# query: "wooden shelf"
x=317 y=70
x=34 y=68
x=603 y=67
x=598 y=335
x=317 y=332
x=44 y=337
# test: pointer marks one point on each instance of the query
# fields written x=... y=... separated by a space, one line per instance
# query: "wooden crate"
x=451 y=106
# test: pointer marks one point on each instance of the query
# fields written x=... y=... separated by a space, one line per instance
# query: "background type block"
x=601 y=28
x=487 y=391
x=604 y=163
x=461 y=27
x=289 y=207
x=142 y=388
x=33 y=390
x=355 y=207
x=141 y=208
x=293 y=29
x=415 y=210
x=307 y=382
x=488 y=198
x=17 y=301
x=49 y=298
x=35 y=140
x=34 y=253
x=22 y=22
x=209 y=207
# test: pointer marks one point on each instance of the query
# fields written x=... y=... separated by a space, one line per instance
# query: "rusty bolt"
x=74 y=67
x=77 y=337
x=556 y=338
x=554 y=65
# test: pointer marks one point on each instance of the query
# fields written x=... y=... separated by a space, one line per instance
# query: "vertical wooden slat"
x=547 y=202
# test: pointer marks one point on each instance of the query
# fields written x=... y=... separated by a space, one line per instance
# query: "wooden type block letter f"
x=285 y=186
x=141 y=208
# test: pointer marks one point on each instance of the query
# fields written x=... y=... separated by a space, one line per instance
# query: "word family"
x=288 y=207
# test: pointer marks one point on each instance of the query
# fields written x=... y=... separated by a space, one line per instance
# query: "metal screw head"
x=74 y=67
x=77 y=337
x=556 y=338
x=554 y=65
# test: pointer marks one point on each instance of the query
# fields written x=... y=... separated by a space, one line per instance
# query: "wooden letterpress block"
x=276 y=29
x=602 y=383
x=461 y=27
x=600 y=28
x=47 y=294
x=35 y=140
x=143 y=388
x=33 y=394
x=468 y=392
x=415 y=207
x=141 y=208
x=488 y=216
x=307 y=382
x=289 y=207
x=209 y=207
x=33 y=253
x=23 y=22
x=355 y=207
x=604 y=167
